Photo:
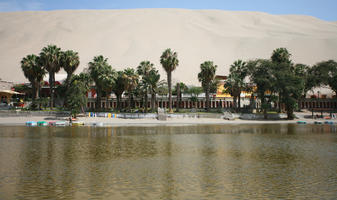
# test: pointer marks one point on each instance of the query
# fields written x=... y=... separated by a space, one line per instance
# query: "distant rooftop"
x=6 y=85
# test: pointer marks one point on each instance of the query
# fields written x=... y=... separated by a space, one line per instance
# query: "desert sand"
x=127 y=37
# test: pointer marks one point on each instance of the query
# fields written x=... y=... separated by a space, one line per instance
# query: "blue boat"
x=301 y=122
x=31 y=123
x=328 y=122
x=318 y=122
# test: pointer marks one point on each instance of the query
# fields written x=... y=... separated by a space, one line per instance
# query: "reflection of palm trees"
x=209 y=166
x=70 y=164
x=37 y=165
x=169 y=190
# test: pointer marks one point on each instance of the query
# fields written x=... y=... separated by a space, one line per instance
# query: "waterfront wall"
x=224 y=103
x=18 y=113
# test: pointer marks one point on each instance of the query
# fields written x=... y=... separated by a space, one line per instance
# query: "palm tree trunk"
x=129 y=103
x=235 y=102
x=107 y=102
x=146 y=101
x=153 y=99
x=263 y=106
x=239 y=102
x=51 y=90
x=67 y=84
x=98 y=98
x=279 y=103
x=290 y=112
x=207 y=98
x=178 y=97
x=169 y=82
x=38 y=89
x=118 y=102
x=38 y=94
x=34 y=91
x=34 y=95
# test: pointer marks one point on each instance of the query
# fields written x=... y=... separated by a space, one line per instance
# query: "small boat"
x=301 y=122
x=61 y=123
x=42 y=123
x=77 y=123
x=98 y=124
x=31 y=123
x=318 y=122
x=51 y=123
x=328 y=122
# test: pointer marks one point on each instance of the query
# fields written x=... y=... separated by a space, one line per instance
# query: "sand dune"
x=127 y=37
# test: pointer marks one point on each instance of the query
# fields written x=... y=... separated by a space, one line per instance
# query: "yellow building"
x=221 y=88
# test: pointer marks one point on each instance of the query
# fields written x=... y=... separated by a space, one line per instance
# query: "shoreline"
x=119 y=122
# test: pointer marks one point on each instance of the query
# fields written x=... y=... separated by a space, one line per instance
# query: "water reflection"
x=285 y=161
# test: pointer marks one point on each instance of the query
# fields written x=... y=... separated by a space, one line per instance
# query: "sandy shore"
x=152 y=122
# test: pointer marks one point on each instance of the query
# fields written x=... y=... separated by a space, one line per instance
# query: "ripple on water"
x=185 y=162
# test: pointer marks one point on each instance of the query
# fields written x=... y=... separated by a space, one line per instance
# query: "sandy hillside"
x=127 y=37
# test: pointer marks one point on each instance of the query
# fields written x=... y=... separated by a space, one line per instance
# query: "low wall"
x=155 y=115
x=14 y=113
x=195 y=115
x=261 y=116
x=137 y=115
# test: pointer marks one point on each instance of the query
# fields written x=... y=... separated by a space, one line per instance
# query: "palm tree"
x=169 y=61
x=236 y=79
x=69 y=61
x=50 y=59
x=280 y=55
x=261 y=75
x=152 y=79
x=34 y=72
x=131 y=83
x=119 y=87
x=143 y=70
x=326 y=73
x=206 y=77
x=232 y=88
x=103 y=76
x=77 y=94
x=179 y=89
x=162 y=89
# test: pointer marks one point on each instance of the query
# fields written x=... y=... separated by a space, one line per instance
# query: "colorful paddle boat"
x=31 y=123
x=61 y=123
x=42 y=123
x=77 y=123
x=328 y=122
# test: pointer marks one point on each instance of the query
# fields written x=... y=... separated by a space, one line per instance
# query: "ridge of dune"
x=127 y=37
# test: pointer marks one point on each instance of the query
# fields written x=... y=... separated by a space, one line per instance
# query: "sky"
x=323 y=9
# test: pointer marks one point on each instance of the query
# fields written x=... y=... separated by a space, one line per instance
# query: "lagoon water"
x=274 y=161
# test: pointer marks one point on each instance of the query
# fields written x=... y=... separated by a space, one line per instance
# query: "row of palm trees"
x=279 y=80
x=278 y=77
x=51 y=59
x=142 y=81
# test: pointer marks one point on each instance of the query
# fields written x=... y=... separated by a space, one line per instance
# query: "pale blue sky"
x=323 y=9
